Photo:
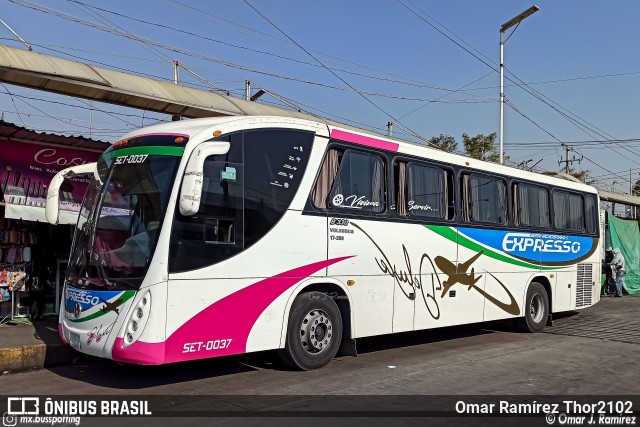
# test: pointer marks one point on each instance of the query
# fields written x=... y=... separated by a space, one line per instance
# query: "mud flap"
x=347 y=348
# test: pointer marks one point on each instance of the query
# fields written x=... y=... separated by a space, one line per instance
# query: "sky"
x=430 y=67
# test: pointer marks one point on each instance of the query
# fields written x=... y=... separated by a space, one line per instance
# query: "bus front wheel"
x=536 y=309
x=314 y=331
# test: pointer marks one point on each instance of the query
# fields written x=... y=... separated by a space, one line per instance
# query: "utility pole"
x=176 y=65
x=389 y=129
x=247 y=90
x=90 y=118
x=510 y=23
x=567 y=160
x=613 y=204
x=633 y=208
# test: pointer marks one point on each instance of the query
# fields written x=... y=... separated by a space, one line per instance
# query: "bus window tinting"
x=244 y=194
x=531 y=206
x=568 y=211
x=359 y=184
x=484 y=199
x=426 y=191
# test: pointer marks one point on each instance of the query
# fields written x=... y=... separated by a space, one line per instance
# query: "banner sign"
x=336 y=410
x=26 y=169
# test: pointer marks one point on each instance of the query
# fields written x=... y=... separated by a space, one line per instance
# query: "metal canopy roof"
x=45 y=72
x=13 y=131
x=625 y=199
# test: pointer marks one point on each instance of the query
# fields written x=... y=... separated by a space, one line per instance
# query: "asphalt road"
x=593 y=352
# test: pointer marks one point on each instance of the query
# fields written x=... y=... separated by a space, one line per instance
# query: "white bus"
x=220 y=236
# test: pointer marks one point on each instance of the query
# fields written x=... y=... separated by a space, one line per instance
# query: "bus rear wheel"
x=314 y=331
x=536 y=309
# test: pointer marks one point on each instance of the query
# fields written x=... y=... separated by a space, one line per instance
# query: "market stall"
x=33 y=253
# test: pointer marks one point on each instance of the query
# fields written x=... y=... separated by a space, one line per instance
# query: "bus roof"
x=192 y=127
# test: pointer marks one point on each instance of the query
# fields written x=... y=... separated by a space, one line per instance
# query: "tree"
x=636 y=188
x=445 y=142
x=481 y=147
x=582 y=175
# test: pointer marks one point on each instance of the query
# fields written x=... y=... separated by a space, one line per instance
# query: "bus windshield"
x=120 y=221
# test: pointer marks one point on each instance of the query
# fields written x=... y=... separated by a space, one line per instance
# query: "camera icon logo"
x=9 y=420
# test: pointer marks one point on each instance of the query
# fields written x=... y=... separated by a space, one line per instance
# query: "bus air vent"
x=584 y=285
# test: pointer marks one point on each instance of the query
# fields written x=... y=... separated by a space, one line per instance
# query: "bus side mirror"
x=194 y=174
x=52 y=206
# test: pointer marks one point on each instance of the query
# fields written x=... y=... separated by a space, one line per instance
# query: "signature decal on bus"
x=98 y=333
x=353 y=202
x=414 y=206
x=456 y=275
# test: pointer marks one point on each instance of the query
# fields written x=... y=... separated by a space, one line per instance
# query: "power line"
x=573 y=118
x=510 y=104
x=227 y=63
x=200 y=36
x=202 y=14
x=336 y=75
x=14 y=104
x=578 y=121
x=447 y=94
x=67 y=104
x=568 y=79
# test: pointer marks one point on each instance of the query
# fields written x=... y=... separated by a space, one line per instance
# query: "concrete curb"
x=24 y=358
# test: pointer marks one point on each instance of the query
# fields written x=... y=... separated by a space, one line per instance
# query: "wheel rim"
x=316 y=331
x=537 y=308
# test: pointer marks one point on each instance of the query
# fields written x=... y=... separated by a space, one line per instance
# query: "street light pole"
x=510 y=23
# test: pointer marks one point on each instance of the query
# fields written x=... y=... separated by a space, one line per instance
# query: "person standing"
x=618 y=262
x=608 y=268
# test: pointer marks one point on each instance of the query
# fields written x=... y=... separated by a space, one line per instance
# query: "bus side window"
x=359 y=185
x=530 y=206
x=328 y=173
x=423 y=191
x=568 y=211
x=484 y=199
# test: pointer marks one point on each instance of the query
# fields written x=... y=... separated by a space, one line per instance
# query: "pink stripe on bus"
x=61 y=333
x=228 y=320
x=364 y=140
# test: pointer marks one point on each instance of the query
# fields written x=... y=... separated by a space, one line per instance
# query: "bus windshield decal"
x=143 y=150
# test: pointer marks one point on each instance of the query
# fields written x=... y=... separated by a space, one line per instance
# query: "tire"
x=536 y=309
x=314 y=332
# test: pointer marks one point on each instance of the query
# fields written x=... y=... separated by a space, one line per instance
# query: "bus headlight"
x=138 y=319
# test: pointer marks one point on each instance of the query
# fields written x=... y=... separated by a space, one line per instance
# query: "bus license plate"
x=74 y=340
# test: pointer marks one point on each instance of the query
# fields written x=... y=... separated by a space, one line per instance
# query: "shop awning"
x=36 y=213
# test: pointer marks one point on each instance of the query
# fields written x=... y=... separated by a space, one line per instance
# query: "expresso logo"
x=522 y=242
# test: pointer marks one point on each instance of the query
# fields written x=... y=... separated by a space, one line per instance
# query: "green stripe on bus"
x=155 y=150
x=461 y=239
